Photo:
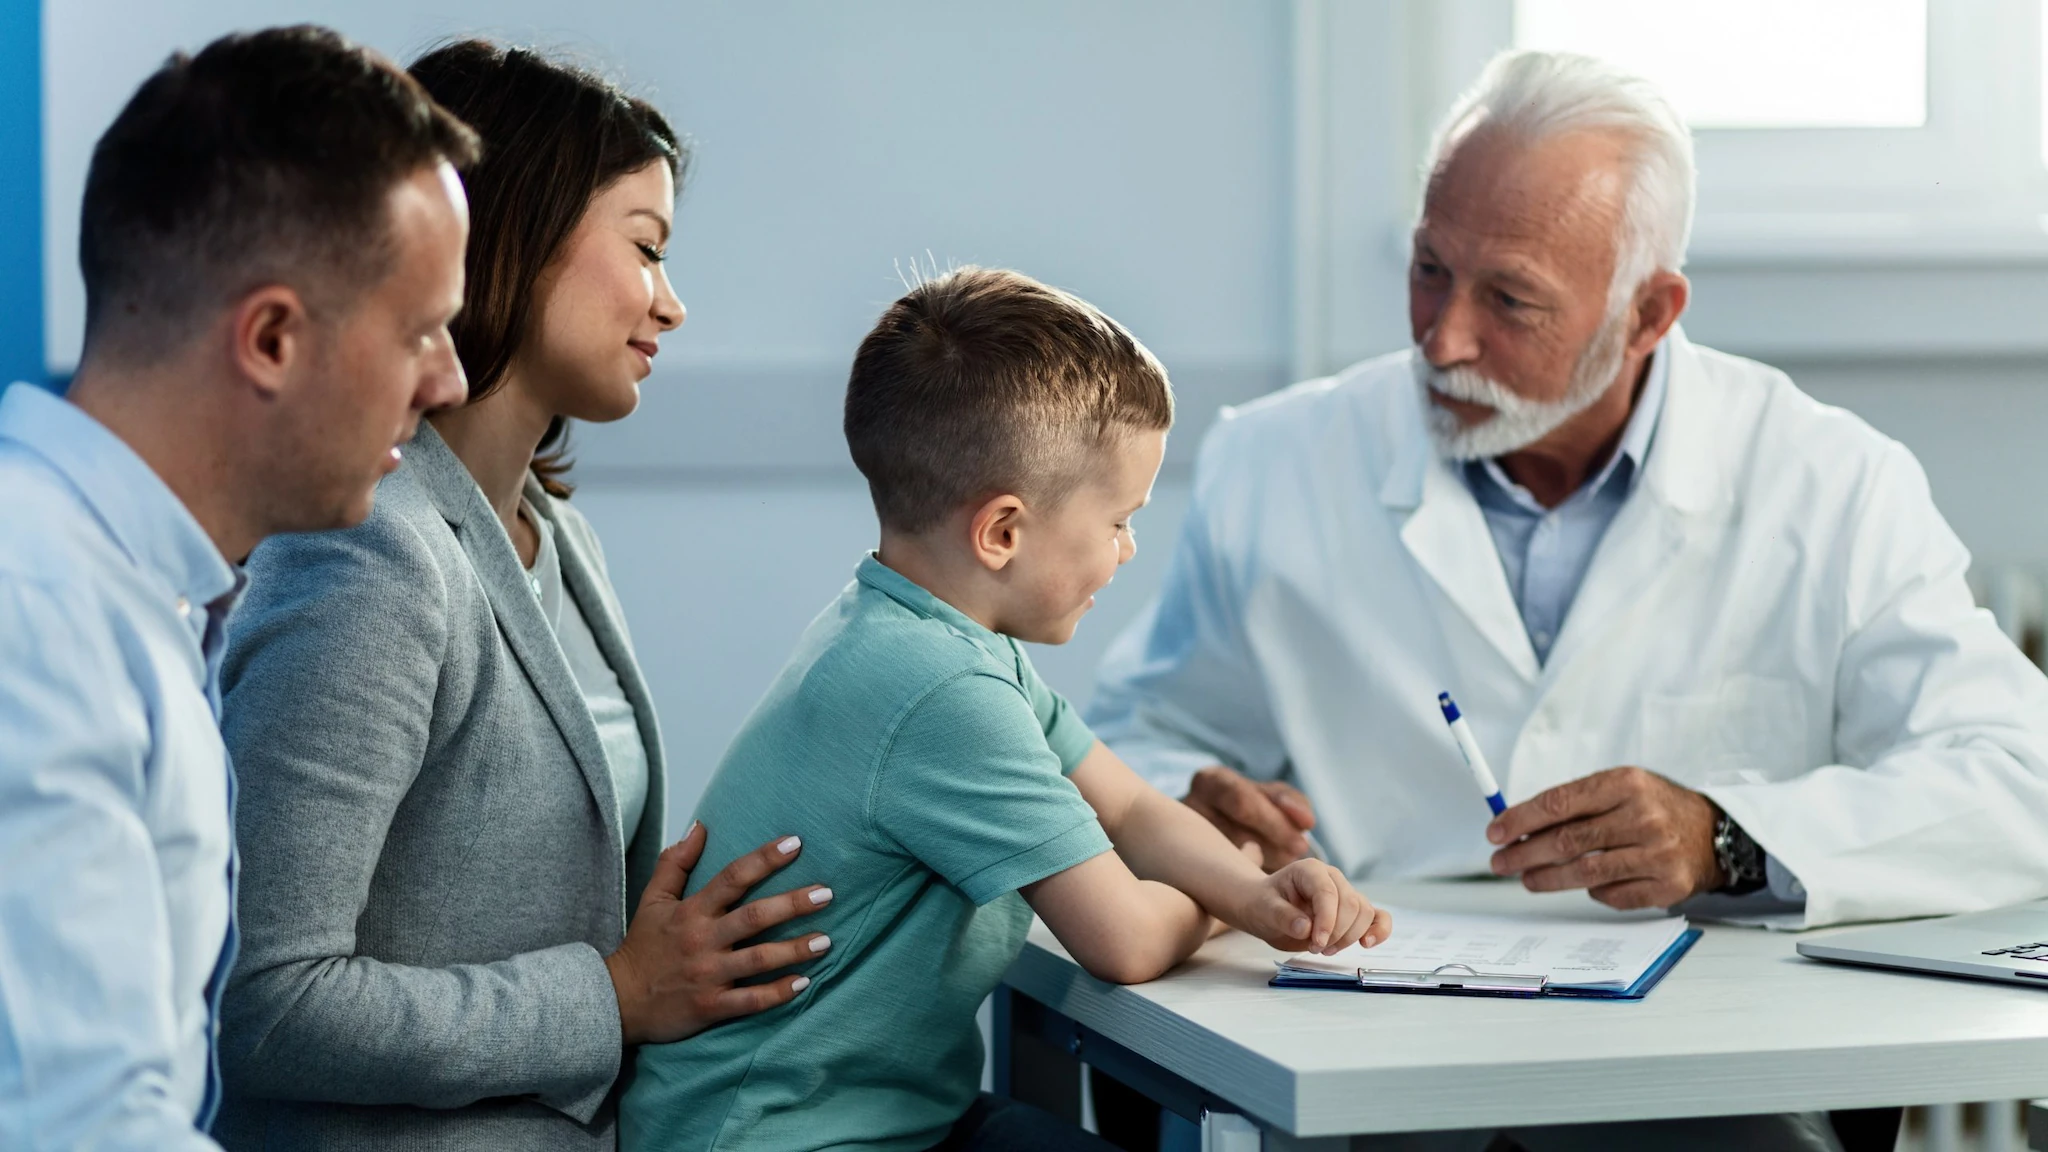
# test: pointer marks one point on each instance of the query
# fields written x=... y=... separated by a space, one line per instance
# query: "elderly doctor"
x=1712 y=635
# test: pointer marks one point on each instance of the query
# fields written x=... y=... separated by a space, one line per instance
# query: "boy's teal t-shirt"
x=925 y=765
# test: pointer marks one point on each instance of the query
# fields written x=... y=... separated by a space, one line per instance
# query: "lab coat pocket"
x=1749 y=729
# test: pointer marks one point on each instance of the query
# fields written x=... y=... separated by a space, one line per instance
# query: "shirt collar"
x=898 y=587
x=146 y=519
x=1631 y=452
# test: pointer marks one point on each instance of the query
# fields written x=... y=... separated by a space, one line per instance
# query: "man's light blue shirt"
x=116 y=826
x=1545 y=552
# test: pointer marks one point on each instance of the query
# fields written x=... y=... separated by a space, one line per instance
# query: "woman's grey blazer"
x=430 y=848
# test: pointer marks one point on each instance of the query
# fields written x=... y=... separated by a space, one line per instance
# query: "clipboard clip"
x=1445 y=977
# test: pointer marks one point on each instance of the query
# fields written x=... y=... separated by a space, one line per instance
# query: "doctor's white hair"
x=1534 y=96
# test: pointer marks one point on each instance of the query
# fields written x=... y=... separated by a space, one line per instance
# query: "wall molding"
x=745 y=423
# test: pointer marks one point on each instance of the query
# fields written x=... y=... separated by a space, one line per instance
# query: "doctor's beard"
x=1517 y=423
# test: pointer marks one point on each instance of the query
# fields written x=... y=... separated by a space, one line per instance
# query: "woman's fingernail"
x=789 y=845
x=1300 y=925
x=821 y=943
x=821 y=896
x=694 y=825
x=1323 y=941
x=800 y=983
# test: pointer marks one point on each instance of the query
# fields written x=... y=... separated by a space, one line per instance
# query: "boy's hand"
x=1309 y=906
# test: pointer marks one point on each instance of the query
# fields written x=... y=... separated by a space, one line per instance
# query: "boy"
x=1008 y=431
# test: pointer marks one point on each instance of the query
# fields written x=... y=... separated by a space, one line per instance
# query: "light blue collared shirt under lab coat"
x=116 y=826
x=1545 y=552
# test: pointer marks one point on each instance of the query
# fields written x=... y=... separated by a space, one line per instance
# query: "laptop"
x=2007 y=944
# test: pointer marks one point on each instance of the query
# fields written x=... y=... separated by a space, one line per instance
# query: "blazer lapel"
x=1447 y=535
x=518 y=613
x=593 y=596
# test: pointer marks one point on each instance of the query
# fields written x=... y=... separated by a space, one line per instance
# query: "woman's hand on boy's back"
x=678 y=972
x=1309 y=906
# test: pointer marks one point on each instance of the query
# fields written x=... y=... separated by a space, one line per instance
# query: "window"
x=1895 y=129
x=1755 y=63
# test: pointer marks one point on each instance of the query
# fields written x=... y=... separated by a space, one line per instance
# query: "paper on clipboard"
x=1594 y=954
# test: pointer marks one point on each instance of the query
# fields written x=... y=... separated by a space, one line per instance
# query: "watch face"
x=1740 y=858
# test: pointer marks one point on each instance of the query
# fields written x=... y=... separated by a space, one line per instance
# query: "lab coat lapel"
x=1679 y=500
x=1446 y=533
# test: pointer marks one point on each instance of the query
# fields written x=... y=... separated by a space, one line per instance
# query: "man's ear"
x=995 y=530
x=269 y=335
x=1659 y=302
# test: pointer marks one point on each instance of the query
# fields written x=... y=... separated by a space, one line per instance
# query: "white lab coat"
x=1777 y=617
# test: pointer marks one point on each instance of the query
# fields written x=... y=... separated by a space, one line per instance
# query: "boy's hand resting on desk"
x=1130 y=915
x=1309 y=906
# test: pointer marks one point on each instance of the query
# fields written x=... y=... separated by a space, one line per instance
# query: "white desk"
x=1742 y=1025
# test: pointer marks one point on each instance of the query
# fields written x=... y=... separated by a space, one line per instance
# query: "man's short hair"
x=984 y=381
x=265 y=159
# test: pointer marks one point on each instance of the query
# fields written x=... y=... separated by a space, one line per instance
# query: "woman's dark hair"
x=554 y=136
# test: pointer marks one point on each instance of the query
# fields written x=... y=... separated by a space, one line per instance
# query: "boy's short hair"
x=266 y=158
x=984 y=381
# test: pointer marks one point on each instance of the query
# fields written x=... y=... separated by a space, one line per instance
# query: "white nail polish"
x=821 y=943
x=821 y=896
x=800 y=983
x=790 y=845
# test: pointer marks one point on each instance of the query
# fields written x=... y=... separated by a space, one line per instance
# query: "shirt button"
x=1542 y=639
x=184 y=608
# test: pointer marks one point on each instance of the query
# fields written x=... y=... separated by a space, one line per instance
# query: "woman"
x=451 y=777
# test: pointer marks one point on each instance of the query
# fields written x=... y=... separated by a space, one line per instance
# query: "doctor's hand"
x=679 y=970
x=1273 y=815
x=1628 y=835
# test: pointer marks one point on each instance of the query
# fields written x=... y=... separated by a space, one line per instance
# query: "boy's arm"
x=1307 y=905
x=1120 y=928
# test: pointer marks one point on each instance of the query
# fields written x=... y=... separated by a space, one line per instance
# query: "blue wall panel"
x=21 y=191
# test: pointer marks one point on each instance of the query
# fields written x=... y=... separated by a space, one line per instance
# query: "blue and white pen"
x=1469 y=749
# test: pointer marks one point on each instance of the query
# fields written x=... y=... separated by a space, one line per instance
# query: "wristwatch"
x=1741 y=858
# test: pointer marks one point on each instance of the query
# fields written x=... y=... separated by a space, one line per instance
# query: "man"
x=272 y=244
x=1713 y=636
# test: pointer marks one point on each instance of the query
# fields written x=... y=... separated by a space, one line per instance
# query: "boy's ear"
x=995 y=530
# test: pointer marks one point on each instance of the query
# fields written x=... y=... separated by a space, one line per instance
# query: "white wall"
x=1133 y=152
x=1137 y=151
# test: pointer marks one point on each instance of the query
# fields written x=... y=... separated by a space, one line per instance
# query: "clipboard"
x=1462 y=980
